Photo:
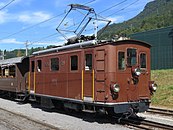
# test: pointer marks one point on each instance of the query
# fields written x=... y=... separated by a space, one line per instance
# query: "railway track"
x=6 y=119
x=14 y=121
x=139 y=123
x=160 y=111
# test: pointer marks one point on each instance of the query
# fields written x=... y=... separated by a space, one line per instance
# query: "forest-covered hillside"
x=156 y=14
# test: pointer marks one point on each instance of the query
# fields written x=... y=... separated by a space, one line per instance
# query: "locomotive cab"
x=131 y=84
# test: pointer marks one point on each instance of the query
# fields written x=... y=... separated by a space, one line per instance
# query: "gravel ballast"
x=59 y=120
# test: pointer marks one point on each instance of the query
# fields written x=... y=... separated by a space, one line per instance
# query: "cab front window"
x=121 y=60
x=131 y=57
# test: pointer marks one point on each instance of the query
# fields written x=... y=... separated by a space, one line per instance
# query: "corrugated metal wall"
x=162 y=46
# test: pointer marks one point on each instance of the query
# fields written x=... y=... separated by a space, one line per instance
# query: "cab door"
x=36 y=76
x=100 y=66
x=88 y=76
x=145 y=74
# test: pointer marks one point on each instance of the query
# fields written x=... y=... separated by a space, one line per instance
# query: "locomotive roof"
x=76 y=45
x=92 y=43
x=11 y=61
x=133 y=41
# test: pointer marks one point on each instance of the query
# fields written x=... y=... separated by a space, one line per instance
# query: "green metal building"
x=162 y=46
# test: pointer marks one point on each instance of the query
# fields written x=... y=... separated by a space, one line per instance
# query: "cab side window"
x=39 y=65
x=121 y=60
x=88 y=61
x=54 y=64
x=32 y=66
x=143 y=62
x=74 y=62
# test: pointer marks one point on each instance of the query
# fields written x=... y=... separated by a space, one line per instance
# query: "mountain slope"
x=156 y=14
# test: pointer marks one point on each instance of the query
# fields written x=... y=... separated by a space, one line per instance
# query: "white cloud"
x=3 y=17
x=116 y=19
x=11 y=41
x=24 y=17
x=33 y=17
x=48 y=43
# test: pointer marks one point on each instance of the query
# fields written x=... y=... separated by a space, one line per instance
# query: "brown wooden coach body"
x=13 y=75
x=86 y=77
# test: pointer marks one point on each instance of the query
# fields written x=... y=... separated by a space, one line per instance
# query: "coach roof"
x=11 y=61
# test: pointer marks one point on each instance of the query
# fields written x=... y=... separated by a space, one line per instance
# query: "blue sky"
x=35 y=21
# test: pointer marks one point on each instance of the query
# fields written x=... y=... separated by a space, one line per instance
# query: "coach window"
x=131 y=57
x=88 y=61
x=74 y=63
x=54 y=64
x=39 y=65
x=121 y=60
x=143 y=60
x=12 y=70
x=32 y=66
x=5 y=71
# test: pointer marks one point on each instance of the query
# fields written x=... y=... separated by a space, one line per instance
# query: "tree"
x=19 y=53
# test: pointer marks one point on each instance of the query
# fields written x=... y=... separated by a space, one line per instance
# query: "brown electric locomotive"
x=106 y=76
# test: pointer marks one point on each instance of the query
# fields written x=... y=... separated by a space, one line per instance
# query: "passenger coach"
x=13 y=77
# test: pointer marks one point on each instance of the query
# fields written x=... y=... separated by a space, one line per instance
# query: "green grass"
x=164 y=94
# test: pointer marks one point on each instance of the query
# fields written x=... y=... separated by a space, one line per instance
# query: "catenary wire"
x=27 y=28
x=123 y=8
x=7 y=4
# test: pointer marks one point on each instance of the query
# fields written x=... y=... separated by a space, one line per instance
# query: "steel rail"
x=146 y=124
x=160 y=111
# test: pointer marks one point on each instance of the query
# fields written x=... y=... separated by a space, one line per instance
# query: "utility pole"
x=2 y=55
x=26 y=45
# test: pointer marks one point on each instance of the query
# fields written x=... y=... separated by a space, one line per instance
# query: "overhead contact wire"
x=7 y=4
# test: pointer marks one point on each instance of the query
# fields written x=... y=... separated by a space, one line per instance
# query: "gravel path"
x=60 y=120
